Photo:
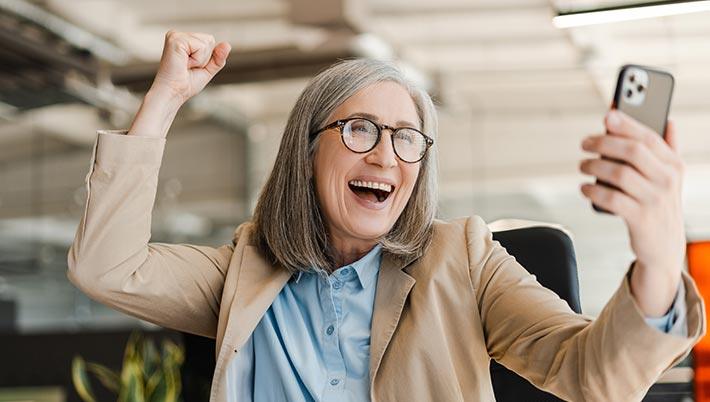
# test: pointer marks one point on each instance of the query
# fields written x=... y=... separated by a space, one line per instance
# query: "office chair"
x=8 y=316
x=548 y=253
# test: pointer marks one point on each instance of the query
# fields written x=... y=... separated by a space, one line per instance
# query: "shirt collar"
x=366 y=267
x=296 y=276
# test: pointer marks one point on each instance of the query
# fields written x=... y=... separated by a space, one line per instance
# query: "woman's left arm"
x=648 y=174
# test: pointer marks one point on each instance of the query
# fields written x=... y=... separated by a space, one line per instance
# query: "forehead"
x=389 y=101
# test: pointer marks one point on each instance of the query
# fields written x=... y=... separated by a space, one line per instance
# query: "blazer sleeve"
x=176 y=286
x=530 y=330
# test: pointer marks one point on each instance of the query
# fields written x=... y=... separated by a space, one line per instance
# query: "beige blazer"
x=437 y=320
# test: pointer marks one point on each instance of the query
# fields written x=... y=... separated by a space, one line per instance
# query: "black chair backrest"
x=8 y=316
x=548 y=254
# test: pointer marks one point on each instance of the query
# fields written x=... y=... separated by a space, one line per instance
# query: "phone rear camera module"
x=634 y=85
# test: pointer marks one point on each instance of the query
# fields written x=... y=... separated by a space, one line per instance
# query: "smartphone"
x=644 y=93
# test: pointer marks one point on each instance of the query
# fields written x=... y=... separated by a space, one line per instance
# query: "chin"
x=370 y=230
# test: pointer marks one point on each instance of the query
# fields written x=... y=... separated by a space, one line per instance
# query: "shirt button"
x=337 y=284
x=345 y=271
x=329 y=330
x=334 y=381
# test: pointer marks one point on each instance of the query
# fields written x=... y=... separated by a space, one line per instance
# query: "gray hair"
x=289 y=226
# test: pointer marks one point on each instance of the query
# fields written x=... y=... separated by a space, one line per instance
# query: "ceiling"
x=516 y=96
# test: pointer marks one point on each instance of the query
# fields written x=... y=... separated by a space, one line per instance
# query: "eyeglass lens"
x=360 y=135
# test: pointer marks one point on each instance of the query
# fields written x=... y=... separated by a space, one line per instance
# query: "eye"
x=407 y=136
x=362 y=126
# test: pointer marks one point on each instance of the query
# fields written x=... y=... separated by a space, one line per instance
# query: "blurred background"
x=515 y=93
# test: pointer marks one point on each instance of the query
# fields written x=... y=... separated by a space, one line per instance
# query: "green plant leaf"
x=149 y=375
x=173 y=353
x=132 y=389
x=106 y=376
x=151 y=358
x=132 y=347
x=159 y=394
x=151 y=386
x=172 y=381
x=170 y=385
x=80 y=379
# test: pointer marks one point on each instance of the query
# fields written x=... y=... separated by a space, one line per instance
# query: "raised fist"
x=188 y=63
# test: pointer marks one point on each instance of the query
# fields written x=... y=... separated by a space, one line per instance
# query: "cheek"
x=330 y=169
x=324 y=178
x=409 y=178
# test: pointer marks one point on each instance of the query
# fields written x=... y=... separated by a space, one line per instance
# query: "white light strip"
x=629 y=14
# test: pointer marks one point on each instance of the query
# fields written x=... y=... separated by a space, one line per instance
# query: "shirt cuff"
x=674 y=322
x=116 y=148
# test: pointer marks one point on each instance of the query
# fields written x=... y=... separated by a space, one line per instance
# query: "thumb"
x=219 y=58
x=671 y=136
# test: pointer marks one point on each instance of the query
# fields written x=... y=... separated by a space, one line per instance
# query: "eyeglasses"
x=362 y=135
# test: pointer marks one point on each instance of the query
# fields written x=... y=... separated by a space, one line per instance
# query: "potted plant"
x=146 y=376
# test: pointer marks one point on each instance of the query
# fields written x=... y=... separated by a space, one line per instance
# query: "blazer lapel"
x=393 y=287
x=258 y=284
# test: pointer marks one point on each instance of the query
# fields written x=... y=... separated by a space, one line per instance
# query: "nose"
x=383 y=154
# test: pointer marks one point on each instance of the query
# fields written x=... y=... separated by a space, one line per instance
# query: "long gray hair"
x=289 y=226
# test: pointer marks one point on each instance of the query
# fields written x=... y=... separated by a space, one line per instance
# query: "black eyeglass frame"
x=340 y=124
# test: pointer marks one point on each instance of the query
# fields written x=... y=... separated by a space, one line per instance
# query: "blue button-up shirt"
x=313 y=343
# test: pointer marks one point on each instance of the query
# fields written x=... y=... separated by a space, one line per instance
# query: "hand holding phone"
x=644 y=94
x=640 y=176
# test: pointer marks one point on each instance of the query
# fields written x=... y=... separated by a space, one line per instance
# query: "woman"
x=345 y=287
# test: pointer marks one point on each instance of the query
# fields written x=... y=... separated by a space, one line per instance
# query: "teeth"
x=371 y=184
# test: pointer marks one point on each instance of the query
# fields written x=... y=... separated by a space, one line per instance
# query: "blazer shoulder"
x=468 y=231
x=463 y=227
x=470 y=234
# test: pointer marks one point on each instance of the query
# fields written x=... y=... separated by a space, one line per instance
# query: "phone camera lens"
x=640 y=88
x=632 y=78
x=629 y=93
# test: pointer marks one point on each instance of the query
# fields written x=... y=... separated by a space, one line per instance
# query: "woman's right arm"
x=173 y=285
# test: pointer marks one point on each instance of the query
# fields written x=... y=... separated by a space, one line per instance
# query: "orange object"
x=699 y=268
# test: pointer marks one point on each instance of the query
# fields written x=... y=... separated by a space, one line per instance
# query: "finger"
x=671 y=136
x=609 y=199
x=620 y=124
x=672 y=140
x=627 y=150
x=207 y=38
x=202 y=76
x=620 y=175
x=219 y=58
x=200 y=51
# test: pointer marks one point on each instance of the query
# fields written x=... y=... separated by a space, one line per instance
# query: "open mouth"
x=371 y=191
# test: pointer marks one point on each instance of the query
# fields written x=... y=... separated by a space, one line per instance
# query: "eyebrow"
x=401 y=123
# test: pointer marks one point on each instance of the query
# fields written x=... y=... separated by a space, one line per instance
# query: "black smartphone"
x=643 y=93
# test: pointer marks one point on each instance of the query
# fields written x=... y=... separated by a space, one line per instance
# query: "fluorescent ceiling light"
x=629 y=13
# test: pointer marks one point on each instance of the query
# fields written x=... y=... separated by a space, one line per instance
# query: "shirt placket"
x=332 y=300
